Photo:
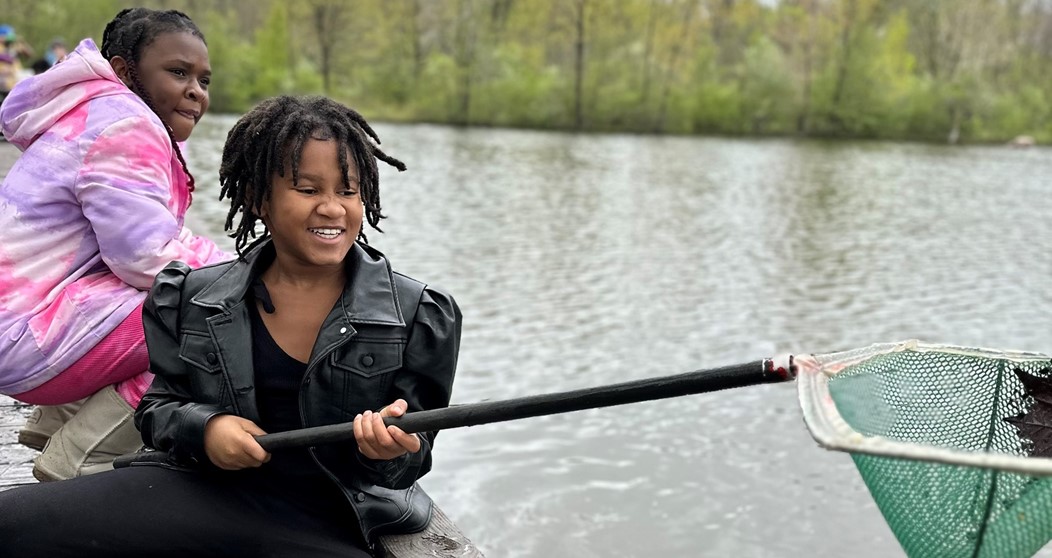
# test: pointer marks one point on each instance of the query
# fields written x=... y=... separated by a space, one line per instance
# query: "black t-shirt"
x=278 y=378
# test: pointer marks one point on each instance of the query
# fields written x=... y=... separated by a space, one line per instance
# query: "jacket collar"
x=370 y=296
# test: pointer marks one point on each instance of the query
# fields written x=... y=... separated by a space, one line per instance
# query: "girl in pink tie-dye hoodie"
x=93 y=210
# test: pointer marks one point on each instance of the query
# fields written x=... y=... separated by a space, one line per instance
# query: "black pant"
x=155 y=512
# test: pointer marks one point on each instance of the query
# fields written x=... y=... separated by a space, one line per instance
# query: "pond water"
x=581 y=260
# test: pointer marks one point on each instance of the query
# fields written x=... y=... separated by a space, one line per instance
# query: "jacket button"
x=359 y=497
x=212 y=359
x=367 y=360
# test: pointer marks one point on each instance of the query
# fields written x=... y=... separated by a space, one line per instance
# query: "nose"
x=331 y=206
x=195 y=92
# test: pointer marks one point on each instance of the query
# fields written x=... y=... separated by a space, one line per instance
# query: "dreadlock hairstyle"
x=272 y=135
x=129 y=33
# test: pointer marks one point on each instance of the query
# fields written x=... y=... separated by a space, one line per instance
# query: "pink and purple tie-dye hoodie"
x=89 y=214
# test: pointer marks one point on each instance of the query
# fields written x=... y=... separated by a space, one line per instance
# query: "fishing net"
x=952 y=442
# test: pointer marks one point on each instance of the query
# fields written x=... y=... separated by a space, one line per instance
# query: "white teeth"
x=327 y=233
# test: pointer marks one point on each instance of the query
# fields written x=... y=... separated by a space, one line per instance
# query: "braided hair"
x=128 y=35
x=272 y=135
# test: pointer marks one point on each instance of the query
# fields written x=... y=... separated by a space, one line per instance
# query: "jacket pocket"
x=198 y=351
x=369 y=358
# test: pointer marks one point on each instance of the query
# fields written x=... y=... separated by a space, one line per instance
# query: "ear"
x=120 y=67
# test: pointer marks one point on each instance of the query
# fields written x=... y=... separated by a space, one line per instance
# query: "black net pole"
x=700 y=381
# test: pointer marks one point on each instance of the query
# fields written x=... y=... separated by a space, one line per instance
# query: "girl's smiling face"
x=174 y=73
x=315 y=220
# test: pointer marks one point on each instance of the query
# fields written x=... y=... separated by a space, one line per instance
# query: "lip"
x=190 y=114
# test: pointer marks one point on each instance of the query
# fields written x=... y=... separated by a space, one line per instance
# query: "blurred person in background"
x=56 y=51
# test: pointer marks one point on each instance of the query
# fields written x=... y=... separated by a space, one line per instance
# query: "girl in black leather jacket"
x=308 y=327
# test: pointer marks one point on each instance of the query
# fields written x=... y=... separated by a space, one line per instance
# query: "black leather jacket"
x=388 y=337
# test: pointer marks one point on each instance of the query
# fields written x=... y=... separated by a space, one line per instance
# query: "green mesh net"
x=952 y=442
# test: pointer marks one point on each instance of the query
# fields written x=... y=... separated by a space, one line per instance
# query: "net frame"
x=831 y=431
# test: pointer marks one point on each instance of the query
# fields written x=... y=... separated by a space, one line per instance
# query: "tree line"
x=930 y=70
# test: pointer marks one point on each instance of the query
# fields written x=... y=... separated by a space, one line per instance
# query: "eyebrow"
x=315 y=178
x=185 y=62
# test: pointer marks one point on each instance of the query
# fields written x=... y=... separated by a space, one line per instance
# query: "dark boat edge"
x=441 y=539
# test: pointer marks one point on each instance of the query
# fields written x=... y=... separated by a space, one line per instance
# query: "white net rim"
x=831 y=431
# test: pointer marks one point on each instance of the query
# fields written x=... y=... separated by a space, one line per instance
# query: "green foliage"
x=273 y=61
x=766 y=97
x=930 y=117
x=850 y=68
x=306 y=80
x=228 y=92
x=437 y=91
x=717 y=109
x=39 y=22
x=521 y=93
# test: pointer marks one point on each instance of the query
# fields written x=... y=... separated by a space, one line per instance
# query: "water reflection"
x=582 y=260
